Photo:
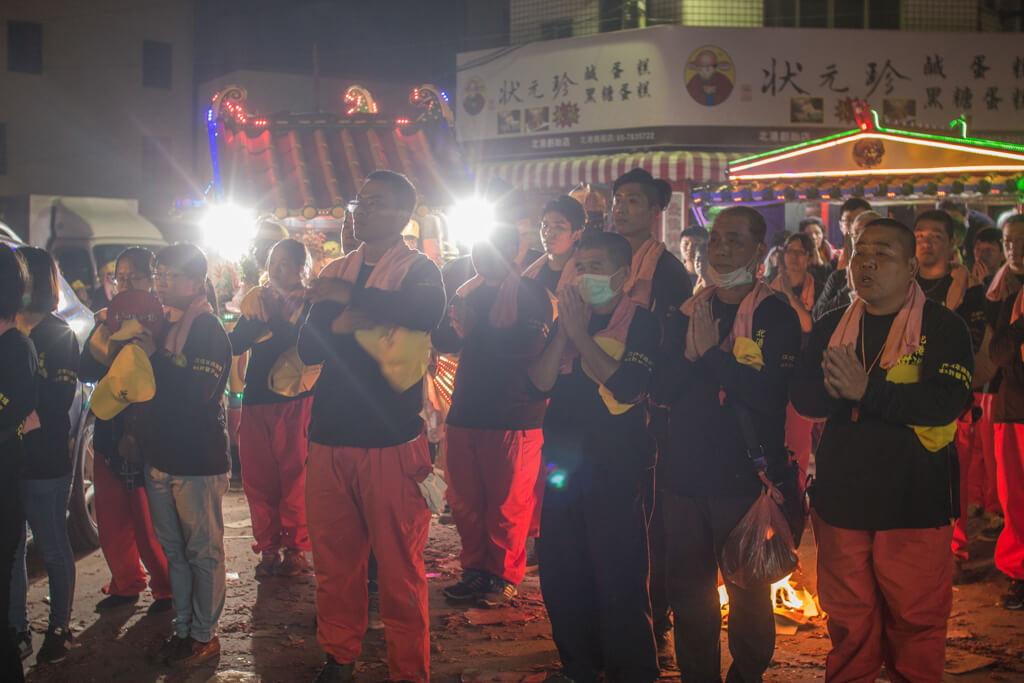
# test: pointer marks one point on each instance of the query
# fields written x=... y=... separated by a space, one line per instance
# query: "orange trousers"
x=492 y=477
x=888 y=595
x=1010 y=465
x=362 y=497
x=127 y=536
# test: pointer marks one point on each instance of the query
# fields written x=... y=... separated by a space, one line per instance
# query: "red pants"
x=888 y=595
x=1010 y=468
x=272 y=449
x=355 y=498
x=492 y=476
x=975 y=448
x=798 y=439
x=126 y=536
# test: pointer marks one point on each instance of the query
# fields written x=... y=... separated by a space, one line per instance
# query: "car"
x=82 y=528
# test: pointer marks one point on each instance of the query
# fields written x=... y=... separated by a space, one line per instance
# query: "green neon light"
x=975 y=142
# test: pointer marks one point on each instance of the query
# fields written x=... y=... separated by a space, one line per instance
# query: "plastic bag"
x=759 y=551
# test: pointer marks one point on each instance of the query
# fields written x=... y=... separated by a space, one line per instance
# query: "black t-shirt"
x=971 y=310
x=582 y=440
x=353 y=405
x=706 y=453
x=491 y=383
x=48 y=454
x=834 y=294
x=670 y=285
x=264 y=354
x=18 y=395
x=874 y=473
x=549 y=278
x=182 y=431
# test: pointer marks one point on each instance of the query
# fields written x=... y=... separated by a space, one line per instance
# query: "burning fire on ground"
x=793 y=606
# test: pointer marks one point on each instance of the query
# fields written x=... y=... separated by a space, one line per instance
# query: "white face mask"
x=734 y=278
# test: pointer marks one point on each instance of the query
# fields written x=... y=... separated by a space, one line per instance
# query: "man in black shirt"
x=658 y=282
x=734 y=349
x=593 y=541
x=891 y=373
x=499 y=323
x=368 y=452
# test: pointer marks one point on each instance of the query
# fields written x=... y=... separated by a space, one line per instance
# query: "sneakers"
x=192 y=652
x=373 y=619
x=1014 y=600
x=169 y=649
x=23 y=641
x=666 y=644
x=994 y=528
x=115 y=601
x=333 y=672
x=499 y=594
x=293 y=564
x=268 y=564
x=159 y=606
x=471 y=586
x=55 y=646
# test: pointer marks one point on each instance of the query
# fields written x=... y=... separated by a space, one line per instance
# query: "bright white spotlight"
x=470 y=220
x=227 y=231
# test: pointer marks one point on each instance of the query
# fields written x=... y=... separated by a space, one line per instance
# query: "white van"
x=84 y=233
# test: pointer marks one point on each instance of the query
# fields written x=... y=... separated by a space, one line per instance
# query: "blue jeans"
x=188 y=521
x=45 y=503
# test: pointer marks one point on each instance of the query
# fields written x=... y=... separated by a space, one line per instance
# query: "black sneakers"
x=1014 y=600
x=55 y=646
x=470 y=587
x=499 y=593
x=115 y=601
x=333 y=672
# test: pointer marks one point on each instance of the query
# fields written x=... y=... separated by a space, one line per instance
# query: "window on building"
x=25 y=47
x=882 y=14
x=156 y=64
x=559 y=28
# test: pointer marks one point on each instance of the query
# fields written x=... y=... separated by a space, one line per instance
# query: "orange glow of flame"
x=785 y=599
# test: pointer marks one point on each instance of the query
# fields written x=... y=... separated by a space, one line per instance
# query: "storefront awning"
x=565 y=172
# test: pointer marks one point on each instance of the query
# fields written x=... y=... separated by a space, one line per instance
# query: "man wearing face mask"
x=593 y=541
x=737 y=344
x=498 y=322
x=658 y=282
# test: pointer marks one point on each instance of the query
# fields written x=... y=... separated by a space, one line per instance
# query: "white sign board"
x=737 y=88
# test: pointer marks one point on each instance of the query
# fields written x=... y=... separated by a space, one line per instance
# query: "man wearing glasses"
x=368 y=453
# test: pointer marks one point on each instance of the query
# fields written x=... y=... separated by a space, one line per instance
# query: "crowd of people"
x=615 y=408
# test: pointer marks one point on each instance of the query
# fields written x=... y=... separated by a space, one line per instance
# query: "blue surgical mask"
x=596 y=290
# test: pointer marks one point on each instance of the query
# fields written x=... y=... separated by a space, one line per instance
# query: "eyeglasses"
x=366 y=204
x=122 y=280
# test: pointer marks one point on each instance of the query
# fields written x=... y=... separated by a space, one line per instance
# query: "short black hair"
x=620 y=253
x=297 y=252
x=696 y=232
x=42 y=272
x=989 y=235
x=14 y=282
x=755 y=221
x=804 y=239
x=658 y=191
x=568 y=207
x=939 y=217
x=141 y=258
x=906 y=235
x=186 y=257
x=952 y=205
x=811 y=220
x=853 y=204
x=403 y=189
x=1012 y=218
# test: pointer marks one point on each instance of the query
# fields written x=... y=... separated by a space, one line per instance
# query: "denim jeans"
x=45 y=504
x=188 y=521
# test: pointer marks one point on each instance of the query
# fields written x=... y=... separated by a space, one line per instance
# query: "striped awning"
x=565 y=172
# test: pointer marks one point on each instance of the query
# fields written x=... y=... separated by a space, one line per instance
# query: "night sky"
x=395 y=40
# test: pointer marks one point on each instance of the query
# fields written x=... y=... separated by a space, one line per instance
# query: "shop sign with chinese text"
x=731 y=88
